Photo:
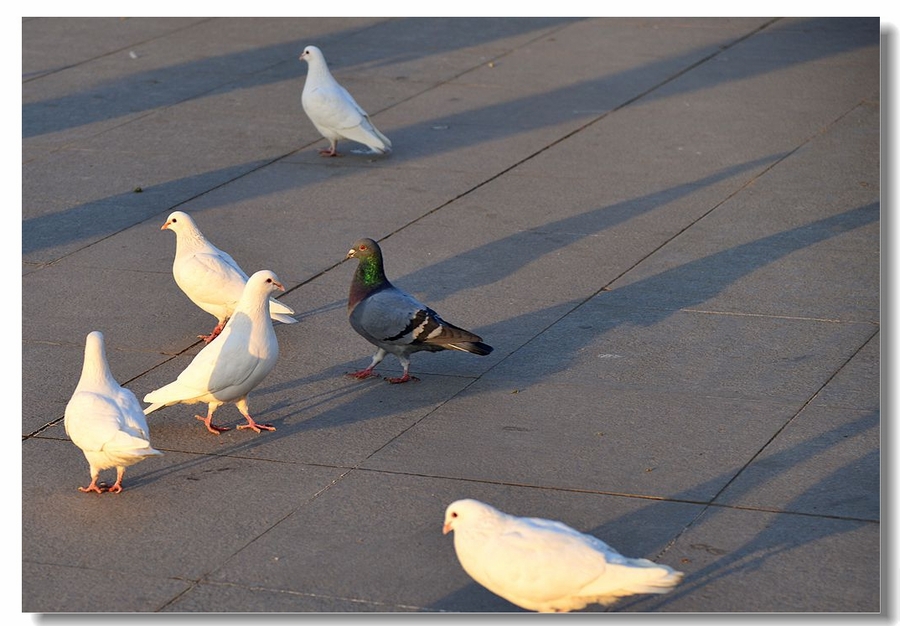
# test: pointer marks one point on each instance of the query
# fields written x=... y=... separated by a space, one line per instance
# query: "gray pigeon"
x=396 y=322
x=332 y=109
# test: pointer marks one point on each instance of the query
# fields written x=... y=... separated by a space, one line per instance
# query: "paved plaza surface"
x=668 y=230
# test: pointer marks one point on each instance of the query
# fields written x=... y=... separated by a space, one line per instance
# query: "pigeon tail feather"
x=284 y=319
x=153 y=407
x=277 y=306
x=475 y=347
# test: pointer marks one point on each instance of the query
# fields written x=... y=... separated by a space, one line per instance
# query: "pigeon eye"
x=268 y=280
x=454 y=515
x=363 y=247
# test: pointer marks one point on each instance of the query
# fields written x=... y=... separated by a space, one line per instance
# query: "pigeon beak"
x=165 y=226
x=350 y=254
x=279 y=285
x=447 y=528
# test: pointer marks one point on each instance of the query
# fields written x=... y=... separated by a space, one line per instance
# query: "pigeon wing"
x=332 y=107
x=94 y=422
x=395 y=317
x=211 y=278
x=540 y=563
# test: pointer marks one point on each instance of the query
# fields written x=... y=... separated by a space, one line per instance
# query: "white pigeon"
x=210 y=277
x=231 y=365
x=105 y=419
x=544 y=565
x=332 y=109
x=394 y=321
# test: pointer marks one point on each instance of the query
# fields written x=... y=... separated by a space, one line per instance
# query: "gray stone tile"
x=764 y=562
x=59 y=220
x=52 y=588
x=754 y=358
x=228 y=598
x=675 y=244
x=732 y=258
x=590 y=437
x=858 y=384
x=54 y=368
x=133 y=308
x=153 y=527
x=90 y=38
x=317 y=552
x=825 y=462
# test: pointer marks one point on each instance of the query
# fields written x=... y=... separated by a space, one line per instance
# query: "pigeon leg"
x=117 y=487
x=376 y=359
x=406 y=377
x=208 y=420
x=363 y=373
x=92 y=487
x=251 y=423
x=215 y=332
x=331 y=151
x=402 y=379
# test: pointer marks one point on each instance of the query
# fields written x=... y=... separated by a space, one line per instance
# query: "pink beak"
x=447 y=528
x=165 y=226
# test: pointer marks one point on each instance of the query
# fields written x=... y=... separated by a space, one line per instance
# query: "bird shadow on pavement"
x=686 y=286
x=644 y=532
x=776 y=540
x=99 y=218
x=128 y=95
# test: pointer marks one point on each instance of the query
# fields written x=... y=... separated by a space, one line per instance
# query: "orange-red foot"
x=329 y=153
x=361 y=374
x=212 y=427
x=215 y=333
x=251 y=424
x=91 y=488
x=117 y=488
x=401 y=379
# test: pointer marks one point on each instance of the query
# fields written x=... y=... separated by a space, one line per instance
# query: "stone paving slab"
x=314 y=552
x=744 y=550
x=139 y=533
x=560 y=435
x=667 y=228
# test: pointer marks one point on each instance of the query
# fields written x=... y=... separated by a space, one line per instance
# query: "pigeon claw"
x=361 y=374
x=210 y=426
x=215 y=333
x=91 y=488
x=255 y=426
x=402 y=379
x=329 y=152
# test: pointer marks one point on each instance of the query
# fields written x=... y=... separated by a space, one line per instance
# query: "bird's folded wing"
x=92 y=420
x=541 y=564
x=333 y=107
x=213 y=278
x=393 y=315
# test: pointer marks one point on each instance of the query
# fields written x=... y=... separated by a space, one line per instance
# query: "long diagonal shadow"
x=95 y=220
x=750 y=556
x=608 y=92
x=718 y=269
x=753 y=554
x=167 y=86
x=494 y=261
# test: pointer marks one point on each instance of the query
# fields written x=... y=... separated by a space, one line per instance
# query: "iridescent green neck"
x=370 y=272
x=369 y=277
